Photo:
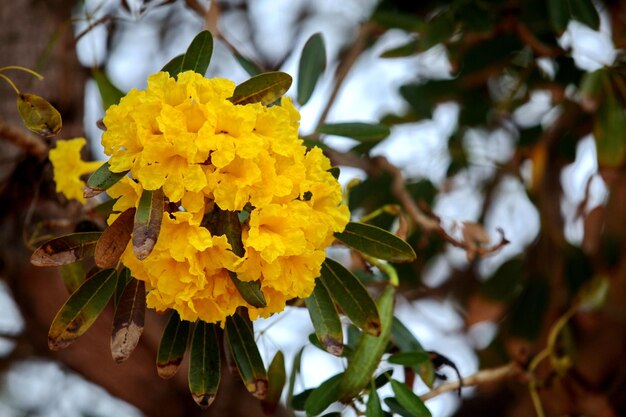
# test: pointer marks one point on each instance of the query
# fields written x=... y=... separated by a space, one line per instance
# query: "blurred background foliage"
x=503 y=145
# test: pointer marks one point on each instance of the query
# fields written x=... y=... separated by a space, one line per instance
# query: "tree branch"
x=486 y=376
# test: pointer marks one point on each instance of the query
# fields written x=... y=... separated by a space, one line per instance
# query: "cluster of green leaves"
x=90 y=266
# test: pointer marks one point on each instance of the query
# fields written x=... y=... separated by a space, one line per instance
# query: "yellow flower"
x=69 y=167
x=206 y=153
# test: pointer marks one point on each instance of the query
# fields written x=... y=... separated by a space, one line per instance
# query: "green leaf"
x=39 y=115
x=506 y=282
x=585 y=12
x=277 y=376
x=250 y=67
x=409 y=358
x=409 y=400
x=250 y=291
x=325 y=319
x=109 y=93
x=102 y=179
x=128 y=320
x=409 y=48
x=147 y=225
x=175 y=66
x=73 y=275
x=295 y=369
x=373 y=407
x=323 y=396
x=591 y=89
x=66 y=249
x=561 y=12
x=299 y=400
x=312 y=65
x=369 y=350
x=350 y=294
x=609 y=130
x=264 y=88
x=246 y=354
x=406 y=342
x=376 y=242
x=198 y=55
x=123 y=279
x=114 y=239
x=396 y=408
x=81 y=309
x=172 y=346
x=363 y=132
x=383 y=379
x=204 y=364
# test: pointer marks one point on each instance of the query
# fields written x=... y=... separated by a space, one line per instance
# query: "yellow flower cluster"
x=69 y=167
x=184 y=136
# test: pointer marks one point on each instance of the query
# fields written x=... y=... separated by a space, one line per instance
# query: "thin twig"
x=486 y=376
x=430 y=224
x=344 y=68
x=28 y=142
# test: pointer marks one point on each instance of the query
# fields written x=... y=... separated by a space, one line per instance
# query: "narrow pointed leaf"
x=363 y=132
x=175 y=66
x=246 y=354
x=198 y=55
x=250 y=291
x=114 y=240
x=396 y=408
x=128 y=320
x=276 y=376
x=295 y=370
x=224 y=222
x=65 y=249
x=172 y=347
x=369 y=350
x=123 y=278
x=409 y=400
x=81 y=309
x=312 y=65
x=250 y=67
x=299 y=400
x=416 y=358
x=102 y=179
x=325 y=319
x=374 y=409
x=609 y=130
x=204 y=364
x=406 y=342
x=383 y=379
x=109 y=93
x=73 y=275
x=585 y=12
x=264 y=88
x=323 y=396
x=147 y=223
x=39 y=115
x=350 y=294
x=376 y=242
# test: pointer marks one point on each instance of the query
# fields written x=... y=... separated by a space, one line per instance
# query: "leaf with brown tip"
x=172 y=347
x=147 y=222
x=246 y=355
x=65 y=249
x=114 y=240
x=204 y=364
x=82 y=309
x=128 y=320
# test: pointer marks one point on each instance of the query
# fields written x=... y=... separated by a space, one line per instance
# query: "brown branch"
x=430 y=224
x=486 y=376
x=344 y=68
x=538 y=47
x=23 y=139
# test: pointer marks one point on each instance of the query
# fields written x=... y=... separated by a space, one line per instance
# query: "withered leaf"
x=114 y=240
x=128 y=320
